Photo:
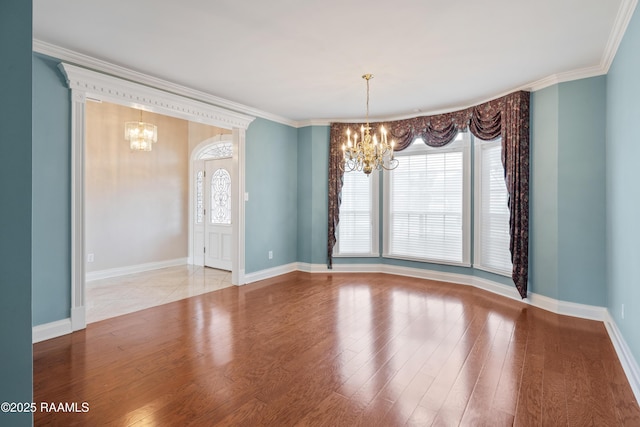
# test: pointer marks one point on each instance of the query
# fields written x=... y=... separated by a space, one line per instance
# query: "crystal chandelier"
x=368 y=152
x=140 y=135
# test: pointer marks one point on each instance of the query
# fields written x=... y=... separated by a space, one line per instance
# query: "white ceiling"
x=302 y=59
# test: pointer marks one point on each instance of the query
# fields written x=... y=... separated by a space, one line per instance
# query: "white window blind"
x=356 y=226
x=492 y=212
x=426 y=205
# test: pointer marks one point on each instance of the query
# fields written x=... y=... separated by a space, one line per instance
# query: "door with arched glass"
x=218 y=214
x=212 y=222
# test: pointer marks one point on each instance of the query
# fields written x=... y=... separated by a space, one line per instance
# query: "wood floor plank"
x=334 y=410
x=529 y=408
x=507 y=391
x=337 y=349
x=627 y=409
x=479 y=406
x=374 y=413
x=554 y=392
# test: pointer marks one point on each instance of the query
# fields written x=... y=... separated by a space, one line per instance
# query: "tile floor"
x=116 y=296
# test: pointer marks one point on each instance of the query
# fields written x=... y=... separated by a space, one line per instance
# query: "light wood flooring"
x=337 y=350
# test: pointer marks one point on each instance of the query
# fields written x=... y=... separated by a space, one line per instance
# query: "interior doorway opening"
x=87 y=84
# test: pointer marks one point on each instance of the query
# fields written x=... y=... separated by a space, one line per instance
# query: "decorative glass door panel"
x=217 y=237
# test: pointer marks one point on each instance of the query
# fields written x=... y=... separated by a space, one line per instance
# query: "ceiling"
x=303 y=60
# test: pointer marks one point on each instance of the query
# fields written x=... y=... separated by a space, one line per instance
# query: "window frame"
x=419 y=147
x=479 y=146
x=374 y=187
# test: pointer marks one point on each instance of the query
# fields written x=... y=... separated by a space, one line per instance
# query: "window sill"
x=367 y=255
x=427 y=261
x=493 y=270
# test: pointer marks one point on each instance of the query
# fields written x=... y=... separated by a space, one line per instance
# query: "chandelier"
x=140 y=135
x=368 y=152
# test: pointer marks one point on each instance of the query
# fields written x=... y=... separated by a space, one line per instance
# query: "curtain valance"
x=507 y=117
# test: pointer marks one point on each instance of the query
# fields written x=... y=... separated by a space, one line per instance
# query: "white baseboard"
x=51 y=330
x=627 y=360
x=270 y=272
x=131 y=269
x=584 y=311
x=541 y=301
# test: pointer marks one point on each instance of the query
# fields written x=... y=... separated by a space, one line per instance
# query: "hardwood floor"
x=337 y=350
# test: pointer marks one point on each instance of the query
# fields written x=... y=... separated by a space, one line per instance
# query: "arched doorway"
x=86 y=84
x=211 y=195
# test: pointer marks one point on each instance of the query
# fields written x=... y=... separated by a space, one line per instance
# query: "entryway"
x=212 y=163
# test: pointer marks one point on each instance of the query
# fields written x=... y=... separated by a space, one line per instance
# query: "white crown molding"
x=96 y=85
x=551 y=80
x=314 y=122
x=567 y=76
x=86 y=61
x=625 y=12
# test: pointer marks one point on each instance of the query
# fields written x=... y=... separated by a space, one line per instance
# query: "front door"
x=217 y=227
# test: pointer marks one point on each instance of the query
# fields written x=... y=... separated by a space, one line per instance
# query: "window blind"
x=493 y=221
x=426 y=206
x=355 y=226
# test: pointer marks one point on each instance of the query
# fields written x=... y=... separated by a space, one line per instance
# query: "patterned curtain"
x=507 y=117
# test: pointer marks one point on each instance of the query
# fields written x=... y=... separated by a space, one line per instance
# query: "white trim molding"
x=51 y=330
x=628 y=362
x=132 y=269
x=270 y=272
x=625 y=12
x=584 y=311
x=86 y=61
x=623 y=17
x=87 y=84
x=555 y=306
x=102 y=87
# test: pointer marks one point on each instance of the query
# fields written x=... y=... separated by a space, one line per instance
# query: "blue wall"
x=313 y=189
x=567 y=184
x=623 y=189
x=287 y=182
x=581 y=192
x=16 y=353
x=582 y=250
x=567 y=213
x=272 y=183
x=305 y=198
x=543 y=193
x=51 y=193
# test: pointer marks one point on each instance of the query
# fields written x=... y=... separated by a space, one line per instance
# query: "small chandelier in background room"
x=140 y=135
x=369 y=152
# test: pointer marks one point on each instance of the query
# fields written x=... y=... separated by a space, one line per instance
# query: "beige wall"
x=136 y=202
x=199 y=132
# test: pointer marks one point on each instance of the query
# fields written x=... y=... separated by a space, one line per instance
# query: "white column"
x=238 y=208
x=78 y=313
